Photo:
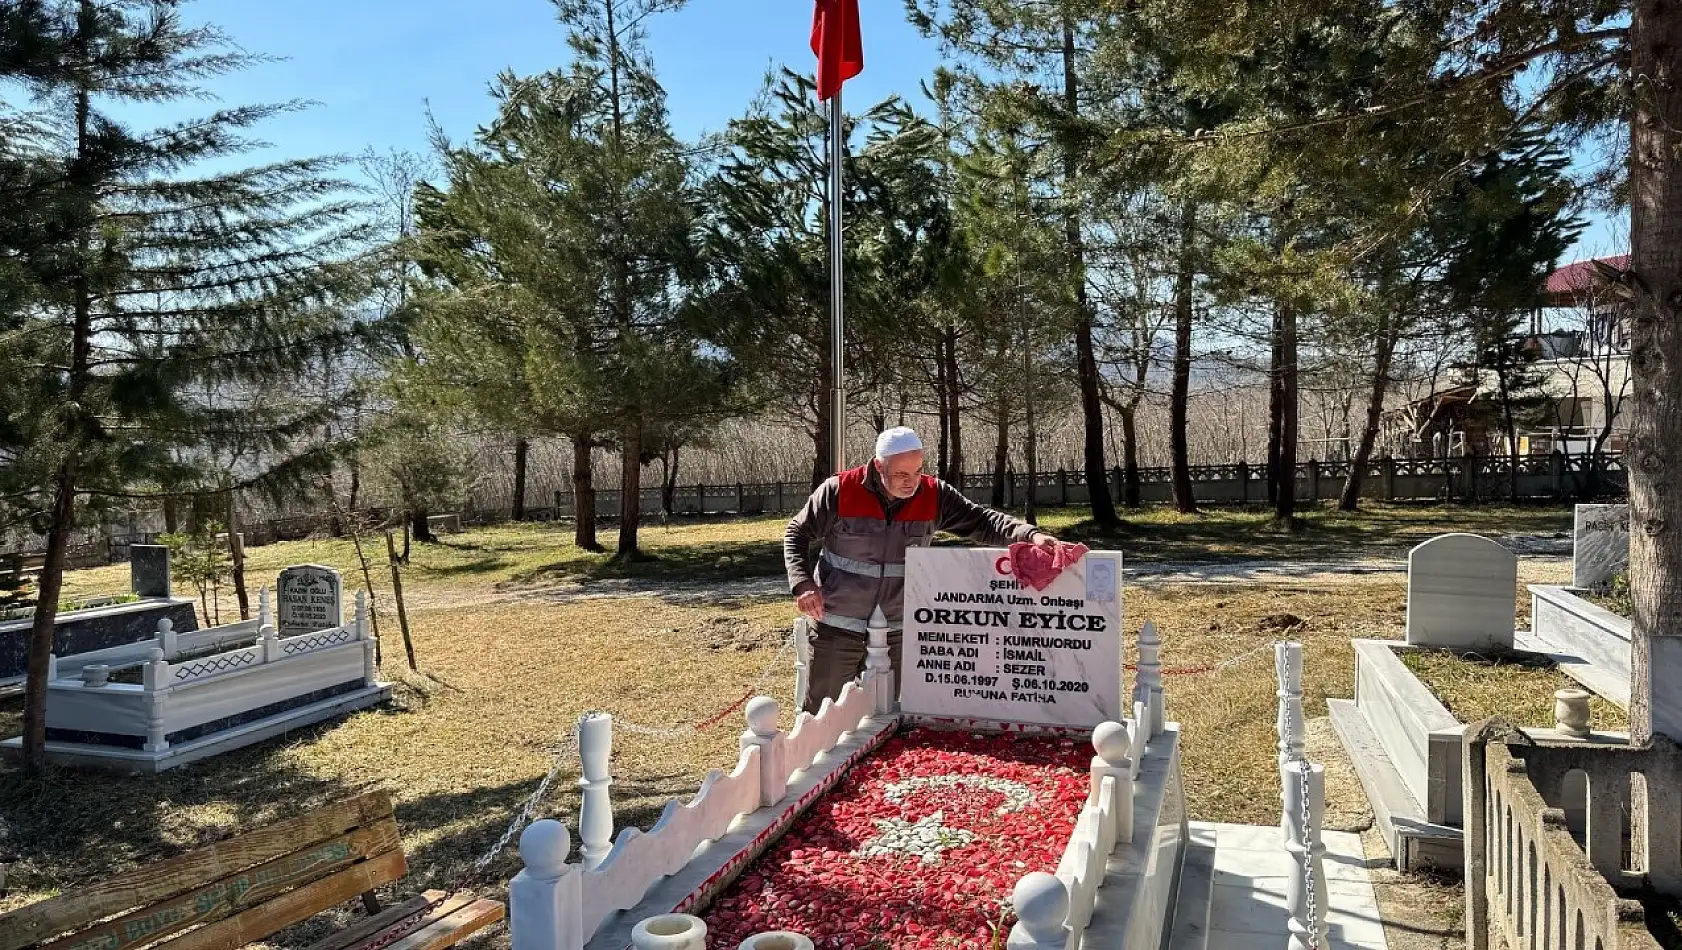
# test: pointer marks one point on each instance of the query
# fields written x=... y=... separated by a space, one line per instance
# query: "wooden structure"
x=245 y=889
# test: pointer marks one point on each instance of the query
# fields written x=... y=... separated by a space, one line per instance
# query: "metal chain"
x=1305 y=770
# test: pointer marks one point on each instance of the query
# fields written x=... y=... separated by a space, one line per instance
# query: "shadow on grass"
x=1217 y=535
x=718 y=560
x=483 y=565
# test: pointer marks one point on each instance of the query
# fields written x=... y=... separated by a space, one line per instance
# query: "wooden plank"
x=453 y=928
x=49 y=918
x=235 y=893
x=293 y=906
x=369 y=926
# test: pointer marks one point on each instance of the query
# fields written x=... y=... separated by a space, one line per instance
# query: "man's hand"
x=810 y=602
x=1042 y=540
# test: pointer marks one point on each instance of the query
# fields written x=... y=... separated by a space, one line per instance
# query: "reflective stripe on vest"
x=852 y=624
x=855 y=566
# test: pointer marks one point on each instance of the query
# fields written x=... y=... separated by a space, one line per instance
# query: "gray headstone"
x=309 y=597
x=148 y=570
x=1462 y=593
x=1599 y=545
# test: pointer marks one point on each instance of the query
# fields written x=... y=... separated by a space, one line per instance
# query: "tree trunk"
x=630 y=492
x=954 y=411
x=668 y=484
x=1091 y=402
x=583 y=493
x=1001 y=453
x=1383 y=353
x=522 y=449
x=1132 y=492
x=236 y=558
x=1655 y=538
x=420 y=527
x=1275 y=406
x=943 y=410
x=172 y=517
x=1285 y=503
x=46 y=616
x=62 y=519
x=1501 y=376
x=1179 y=414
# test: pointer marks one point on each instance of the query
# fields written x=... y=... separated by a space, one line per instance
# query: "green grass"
x=1519 y=689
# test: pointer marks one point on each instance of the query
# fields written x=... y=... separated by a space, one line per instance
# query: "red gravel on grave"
x=852 y=874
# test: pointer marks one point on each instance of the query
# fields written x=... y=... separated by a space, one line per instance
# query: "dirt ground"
x=518 y=634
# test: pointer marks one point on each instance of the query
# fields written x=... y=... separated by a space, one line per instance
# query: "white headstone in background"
x=1599 y=545
x=1462 y=593
x=978 y=646
x=309 y=597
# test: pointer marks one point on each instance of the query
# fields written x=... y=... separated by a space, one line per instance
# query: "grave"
x=148 y=568
x=1406 y=745
x=1461 y=589
x=184 y=695
x=1588 y=641
x=311 y=598
x=1599 y=545
x=909 y=824
x=109 y=625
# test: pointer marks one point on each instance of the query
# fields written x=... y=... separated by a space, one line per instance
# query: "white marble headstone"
x=1599 y=545
x=978 y=646
x=310 y=598
x=1462 y=593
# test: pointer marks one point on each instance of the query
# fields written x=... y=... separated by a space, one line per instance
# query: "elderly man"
x=864 y=519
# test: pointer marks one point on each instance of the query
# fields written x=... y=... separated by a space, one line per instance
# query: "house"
x=1580 y=340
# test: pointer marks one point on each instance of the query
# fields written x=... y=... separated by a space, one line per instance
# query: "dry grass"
x=1520 y=689
x=512 y=666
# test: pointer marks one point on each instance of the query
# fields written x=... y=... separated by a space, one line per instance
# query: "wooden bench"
x=247 y=888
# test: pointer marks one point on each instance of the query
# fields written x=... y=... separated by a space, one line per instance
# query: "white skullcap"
x=897 y=441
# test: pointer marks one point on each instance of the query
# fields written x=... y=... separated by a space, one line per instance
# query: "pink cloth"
x=1037 y=567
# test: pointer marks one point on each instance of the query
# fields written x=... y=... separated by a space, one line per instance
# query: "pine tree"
x=767 y=300
x=570 y=221
x=152 y=281
x=1032 y=61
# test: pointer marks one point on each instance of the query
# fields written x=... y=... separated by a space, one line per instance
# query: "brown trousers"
x=837 y=657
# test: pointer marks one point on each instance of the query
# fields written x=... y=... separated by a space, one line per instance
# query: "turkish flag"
x=835 y=38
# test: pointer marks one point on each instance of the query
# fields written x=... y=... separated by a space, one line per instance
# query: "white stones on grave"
x=1599 y=545
x=670 y=932
x=1462 y=593
x=311 y=598
x=595 y=812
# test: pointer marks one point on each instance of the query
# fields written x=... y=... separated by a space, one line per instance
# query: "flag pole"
x=837 y=334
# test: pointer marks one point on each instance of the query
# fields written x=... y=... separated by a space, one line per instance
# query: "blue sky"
x=374 y=66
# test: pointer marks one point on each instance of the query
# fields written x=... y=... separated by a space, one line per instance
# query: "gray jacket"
x=863 y=534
